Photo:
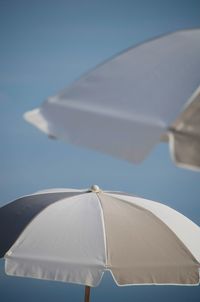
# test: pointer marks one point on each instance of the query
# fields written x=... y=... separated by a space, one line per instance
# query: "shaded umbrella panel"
x=65 y=242
x=185 y=229
x=184 y=135
x=15 y=216
x=155 y=254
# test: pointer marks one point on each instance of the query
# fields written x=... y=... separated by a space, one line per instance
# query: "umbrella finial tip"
x=95 y=188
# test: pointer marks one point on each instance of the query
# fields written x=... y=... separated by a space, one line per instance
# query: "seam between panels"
x=9 y=252
x=104 y=231
x=162 y=223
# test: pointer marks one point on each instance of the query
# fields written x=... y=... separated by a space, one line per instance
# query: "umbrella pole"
x=87 y=294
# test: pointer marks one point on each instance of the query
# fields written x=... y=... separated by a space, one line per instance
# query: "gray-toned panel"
x=15 y=216
x=185 y=149
x=142 y=249
x=185 y=135
x=65 y=242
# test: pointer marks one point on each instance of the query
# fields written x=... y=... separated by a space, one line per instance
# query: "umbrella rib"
x=104 y=230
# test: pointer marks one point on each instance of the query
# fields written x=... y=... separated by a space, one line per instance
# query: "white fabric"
x=124 y=105
x=186 y=230
x=65 y=242
x=38 y=119
x=59 y=190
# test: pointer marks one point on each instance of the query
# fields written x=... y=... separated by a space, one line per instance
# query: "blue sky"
x=44 y=46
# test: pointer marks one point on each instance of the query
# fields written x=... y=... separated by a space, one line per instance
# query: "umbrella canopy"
x=184 y=135
x=76 y=235
x=126 y=105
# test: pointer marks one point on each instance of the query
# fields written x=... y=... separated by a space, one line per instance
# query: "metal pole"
x=87 y=294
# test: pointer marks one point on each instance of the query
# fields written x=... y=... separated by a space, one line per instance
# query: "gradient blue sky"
x=44 y=46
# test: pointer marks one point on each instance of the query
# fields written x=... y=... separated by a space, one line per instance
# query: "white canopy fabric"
x=126 y=104
x=75 y=236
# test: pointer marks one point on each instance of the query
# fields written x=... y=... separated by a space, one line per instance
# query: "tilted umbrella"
x=143 y=95
x=75 y=236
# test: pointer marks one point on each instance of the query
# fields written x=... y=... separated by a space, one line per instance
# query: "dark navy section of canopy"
x=15 y=216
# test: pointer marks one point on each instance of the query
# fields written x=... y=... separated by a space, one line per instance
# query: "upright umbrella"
x=126 y=105
x=76 y=235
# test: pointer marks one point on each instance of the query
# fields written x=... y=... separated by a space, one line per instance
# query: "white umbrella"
x=126 y=105
x=75 y=236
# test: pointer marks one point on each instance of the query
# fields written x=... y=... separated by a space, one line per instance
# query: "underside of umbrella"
x=184 y=135
x=124 y=106
x=75 y=236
